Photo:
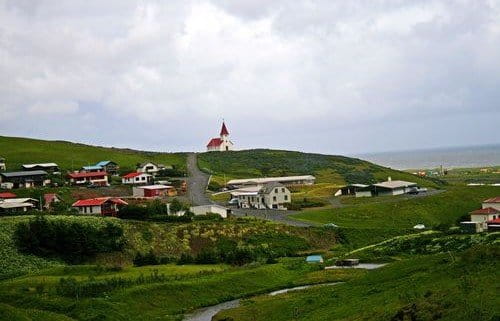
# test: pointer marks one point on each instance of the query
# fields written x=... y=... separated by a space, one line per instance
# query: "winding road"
x=197 y=182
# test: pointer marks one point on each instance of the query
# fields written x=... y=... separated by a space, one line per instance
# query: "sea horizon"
x=449 y=157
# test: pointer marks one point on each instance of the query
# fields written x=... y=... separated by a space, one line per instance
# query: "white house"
x=490 y=212
x=210 y=208
x=388 y=187
x=272 y=195
x=137 y=178
x=102 y=206
x=2 y=164
x=148 y=168
x=221 y=143
x=285 y=180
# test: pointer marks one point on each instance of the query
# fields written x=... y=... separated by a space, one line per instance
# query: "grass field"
x=431 y=287
x=443 y=208
x=332 y=170
x=72 y=156
x=182 y=289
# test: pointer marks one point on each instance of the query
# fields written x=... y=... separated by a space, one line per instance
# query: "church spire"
x=224 y=131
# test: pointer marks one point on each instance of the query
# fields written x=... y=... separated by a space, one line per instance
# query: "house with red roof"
x=137 y=178
x=7 y=195
x=94 y=178
x=489 y=213
x=221 y=143
x=108 y=206
x=50 y=199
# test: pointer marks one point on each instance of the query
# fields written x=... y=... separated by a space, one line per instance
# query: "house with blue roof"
x=109 y=167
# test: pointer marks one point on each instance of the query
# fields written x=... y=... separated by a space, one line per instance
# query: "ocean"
x=453 y=157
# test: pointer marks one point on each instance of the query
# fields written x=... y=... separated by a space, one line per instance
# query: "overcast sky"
x=326 y=76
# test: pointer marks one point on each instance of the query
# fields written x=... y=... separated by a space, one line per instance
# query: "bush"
x=208 y=217
x=73 y=239
x=134 y=212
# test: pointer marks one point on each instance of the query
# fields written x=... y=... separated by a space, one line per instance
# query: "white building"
x=3 y=167
x=210 y=208
x=388 y=187
x=489 y=212
x=285 y=180
x=221 y=143
x=272 y=195
x=148 y=168
x=17 y=205
x=137 y=178
x=102 y=206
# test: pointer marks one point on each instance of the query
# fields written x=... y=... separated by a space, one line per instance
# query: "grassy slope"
x=336 y=170
x=18 y=151
x=445 y=207
x=165 y=240
x=432 y=287
x=167 y=300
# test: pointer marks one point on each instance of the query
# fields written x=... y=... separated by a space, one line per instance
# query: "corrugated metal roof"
x=395 y=184
x=264 y=180
x=25 y=173
x=40 y=164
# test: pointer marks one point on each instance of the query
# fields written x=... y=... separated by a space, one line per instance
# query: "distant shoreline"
x=452 y=157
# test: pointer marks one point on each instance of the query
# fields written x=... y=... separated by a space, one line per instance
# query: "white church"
x=222 y=143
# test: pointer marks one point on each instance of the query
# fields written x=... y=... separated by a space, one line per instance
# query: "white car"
x=419 y=227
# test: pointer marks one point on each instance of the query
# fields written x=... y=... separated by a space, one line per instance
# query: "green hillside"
x=336 y=170
x=68 y=156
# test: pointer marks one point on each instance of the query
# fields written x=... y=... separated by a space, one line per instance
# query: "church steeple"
x=224 y=131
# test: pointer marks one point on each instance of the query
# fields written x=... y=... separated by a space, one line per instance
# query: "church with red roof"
x=221 y=143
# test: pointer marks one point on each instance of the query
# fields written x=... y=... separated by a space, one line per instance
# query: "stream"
x=206 y=314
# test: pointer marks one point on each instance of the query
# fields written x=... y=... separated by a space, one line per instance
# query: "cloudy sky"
x=313 y=75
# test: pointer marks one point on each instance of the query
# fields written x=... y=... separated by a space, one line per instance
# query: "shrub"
x=134 y=212
x=73 y=239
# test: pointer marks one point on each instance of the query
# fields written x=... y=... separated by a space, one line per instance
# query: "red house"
x=108 y=206
x=95 y=178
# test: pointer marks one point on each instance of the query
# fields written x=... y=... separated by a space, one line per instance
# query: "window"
x=283 y=190
x=276 y=190
x=90 y=209
x=85 y=210
x=274 y=198
x=286 y=197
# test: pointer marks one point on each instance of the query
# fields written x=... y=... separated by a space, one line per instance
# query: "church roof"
x=224 y=130
x=214 y=142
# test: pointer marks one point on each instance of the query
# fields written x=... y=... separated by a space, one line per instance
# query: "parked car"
x=233 y=201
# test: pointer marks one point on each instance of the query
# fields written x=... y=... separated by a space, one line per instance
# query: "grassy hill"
x=337 y=170
x=456 y=287
x=68 y=156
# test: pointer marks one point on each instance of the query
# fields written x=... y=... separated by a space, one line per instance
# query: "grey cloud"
x=285 y=73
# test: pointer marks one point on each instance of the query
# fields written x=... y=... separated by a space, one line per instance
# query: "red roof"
x=132 y=175
x=214 y=142
x=7 y=195
x=495 y=221
x=49 y=198
x=98 y=201
x=483 y=211
x=493 y=200
x=94 y=174
x=224 y=130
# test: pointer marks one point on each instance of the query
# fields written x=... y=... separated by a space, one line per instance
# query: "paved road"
x=197 y=182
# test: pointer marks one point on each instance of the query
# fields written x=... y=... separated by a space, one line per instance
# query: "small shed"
x=314 y=259
x=211 y=208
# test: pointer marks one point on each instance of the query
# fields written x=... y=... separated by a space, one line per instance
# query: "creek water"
x=206 y=314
